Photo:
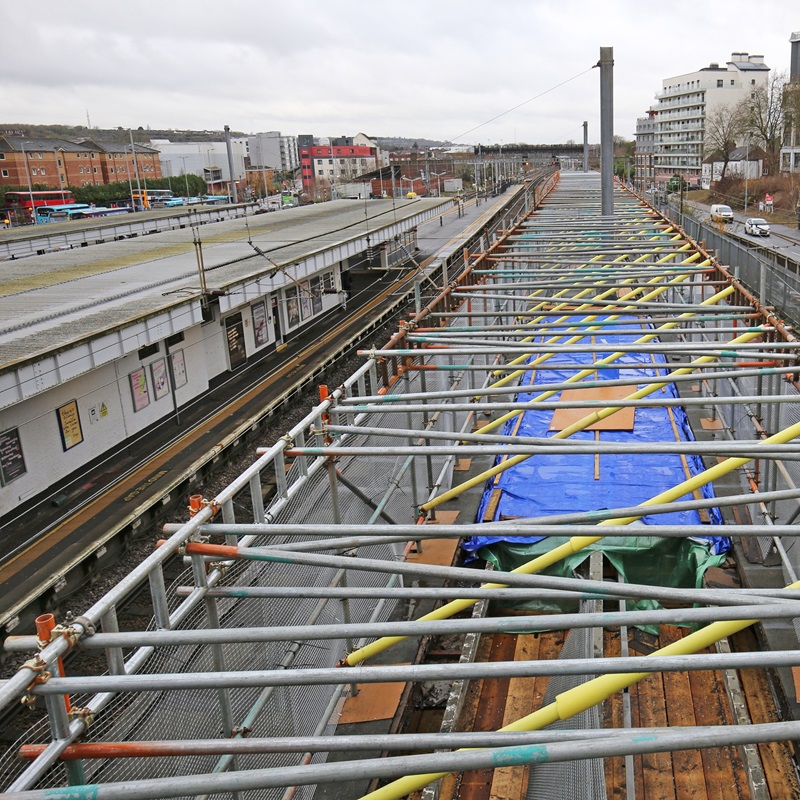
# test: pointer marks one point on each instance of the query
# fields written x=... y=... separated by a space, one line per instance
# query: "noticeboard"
x=69 y=425
x=12 y=462
x=234 y=333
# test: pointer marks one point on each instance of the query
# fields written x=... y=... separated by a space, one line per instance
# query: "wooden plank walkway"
x=673 y=699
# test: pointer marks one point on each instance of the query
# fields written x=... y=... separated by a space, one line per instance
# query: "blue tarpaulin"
x=557 y=484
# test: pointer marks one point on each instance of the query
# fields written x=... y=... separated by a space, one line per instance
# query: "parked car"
x=756 y=226
x=721 y=213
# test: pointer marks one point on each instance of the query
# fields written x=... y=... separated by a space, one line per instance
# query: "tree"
x=763 y=115
x=622 y=146
x=724 y=125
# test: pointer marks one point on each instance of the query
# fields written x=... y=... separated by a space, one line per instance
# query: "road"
x=783 y=239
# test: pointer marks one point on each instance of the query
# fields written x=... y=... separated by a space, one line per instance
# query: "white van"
x=721 y=213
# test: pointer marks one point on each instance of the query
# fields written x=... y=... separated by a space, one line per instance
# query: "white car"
x=721 y=213
x=756 y=226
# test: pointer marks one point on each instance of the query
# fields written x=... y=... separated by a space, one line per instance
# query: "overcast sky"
x=417 y=68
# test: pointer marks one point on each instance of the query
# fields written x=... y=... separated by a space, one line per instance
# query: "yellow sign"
x=69 y=424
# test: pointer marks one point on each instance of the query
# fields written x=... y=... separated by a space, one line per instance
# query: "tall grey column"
x=234 y=192
x=585 y=146
x=606 y=131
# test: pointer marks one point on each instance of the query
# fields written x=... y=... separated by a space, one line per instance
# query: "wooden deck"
x=669 y=699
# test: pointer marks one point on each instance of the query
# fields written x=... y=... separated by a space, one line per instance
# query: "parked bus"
x=31 y=199
x=88 y=213
x=216 y=199
x=102 y=211
x=155 y=198
x=44 y=213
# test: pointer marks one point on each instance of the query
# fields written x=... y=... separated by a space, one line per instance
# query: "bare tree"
x=724 y=125
x=764 y=116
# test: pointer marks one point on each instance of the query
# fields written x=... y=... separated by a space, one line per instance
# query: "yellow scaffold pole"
x=508 y=377
x=561 y=293
x=589 y=694
x=619 y=260
x=589 y=263
x=576 y=543
x=588 y=420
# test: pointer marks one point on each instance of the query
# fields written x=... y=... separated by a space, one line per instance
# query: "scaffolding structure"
x=235 y=688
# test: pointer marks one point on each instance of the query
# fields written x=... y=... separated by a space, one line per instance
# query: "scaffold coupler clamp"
x=38 y=666
x=85 y=715
x=67 y=632
x=85 y=627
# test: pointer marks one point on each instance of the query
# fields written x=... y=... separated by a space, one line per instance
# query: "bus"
x=216 y=199
x=44 y=213
x=155 y=198
x=31 y=199
x=88 y=213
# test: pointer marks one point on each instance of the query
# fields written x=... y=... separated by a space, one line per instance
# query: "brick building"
x=59 y=163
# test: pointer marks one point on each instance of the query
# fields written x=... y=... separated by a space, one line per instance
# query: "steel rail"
x=724 y=374
x=421 y=765
x=402 y=673
x=413 y=628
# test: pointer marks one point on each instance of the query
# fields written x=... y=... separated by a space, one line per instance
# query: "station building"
x=99 y=344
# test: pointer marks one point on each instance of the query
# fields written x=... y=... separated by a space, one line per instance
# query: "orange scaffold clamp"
x=197 y=503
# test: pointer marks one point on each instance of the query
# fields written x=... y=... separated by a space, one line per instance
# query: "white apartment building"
x=790 y=152
x=272 y=151
x=677 y=120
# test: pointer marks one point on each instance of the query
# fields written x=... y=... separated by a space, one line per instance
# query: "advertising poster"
x=259 y=323
x=292 y=307
x=160 y=378
x=305 y=299
x=179 y=377
x=69 y=425
x=139 y=390
x=316 y=290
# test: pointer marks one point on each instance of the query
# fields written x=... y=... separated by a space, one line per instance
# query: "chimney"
x=794 y=68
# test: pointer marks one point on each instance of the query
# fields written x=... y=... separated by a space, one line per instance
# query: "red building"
x=323 y=167
x=59 y=163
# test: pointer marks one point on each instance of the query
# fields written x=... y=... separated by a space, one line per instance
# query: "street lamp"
x=130 y=182
x=437 y=175
x=746 y=170
x=136 y=171
x=185 y=176
x=58 y=172
x=35 y=219
x=411 y=181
